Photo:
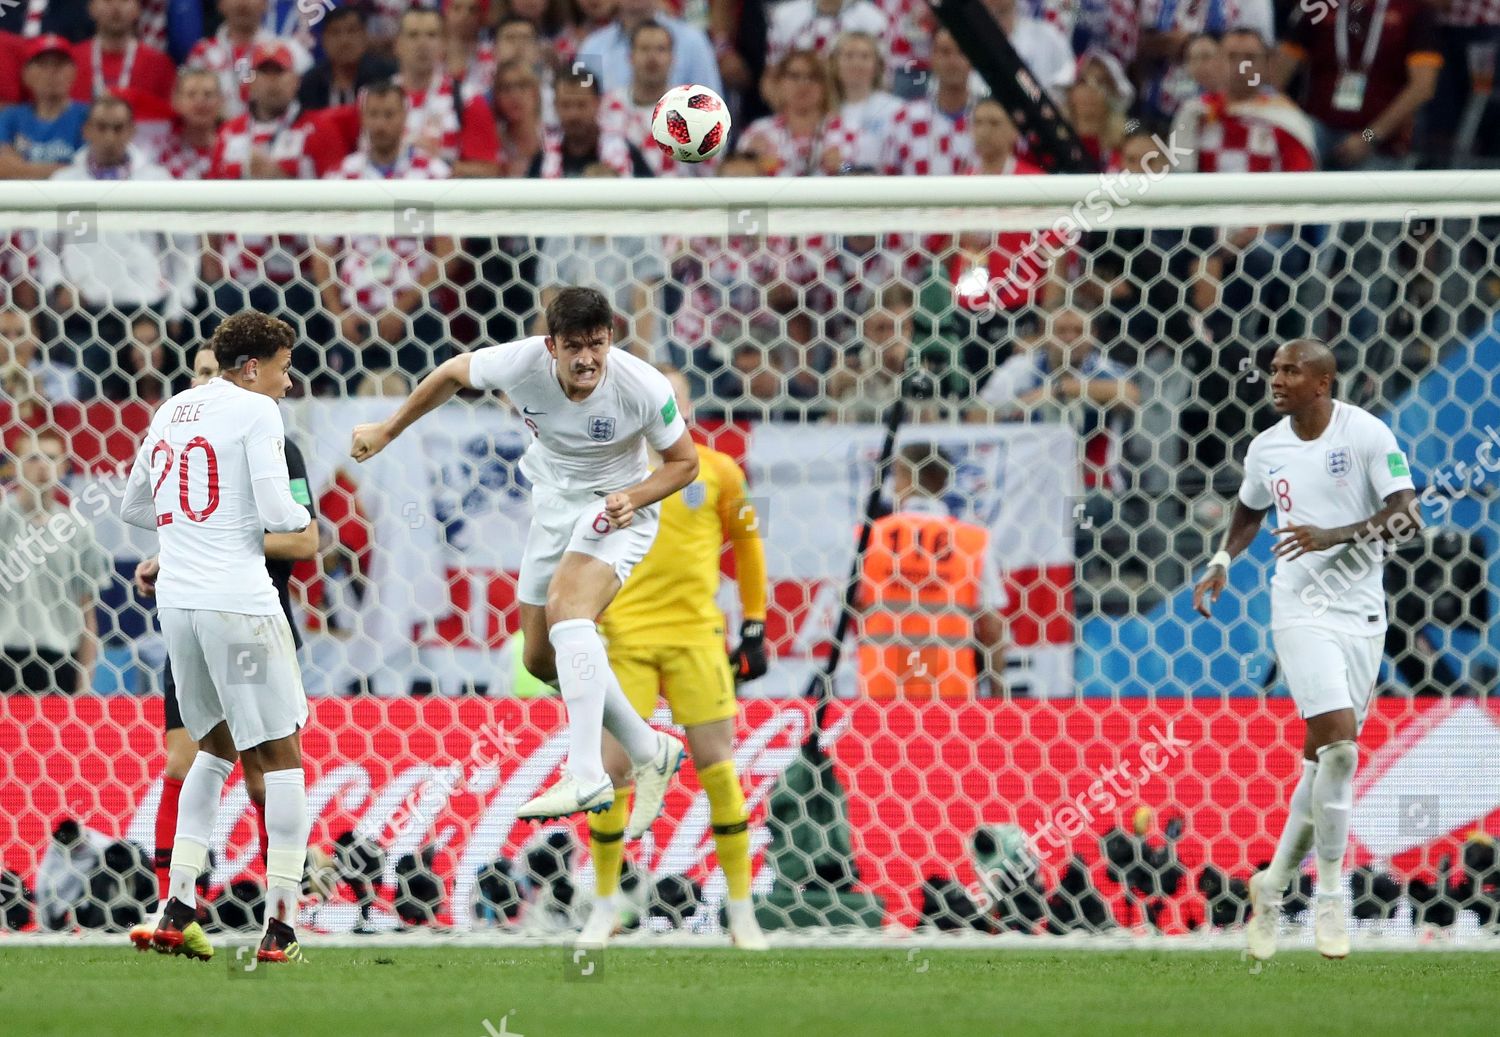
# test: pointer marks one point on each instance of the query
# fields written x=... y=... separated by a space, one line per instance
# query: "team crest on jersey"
x=1338 y=462
x=601 y=430
x=694 y=494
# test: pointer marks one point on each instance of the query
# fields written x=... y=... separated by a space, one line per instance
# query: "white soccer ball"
x=690 y=123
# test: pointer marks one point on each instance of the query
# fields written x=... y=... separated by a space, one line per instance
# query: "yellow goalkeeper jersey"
x=669 y=598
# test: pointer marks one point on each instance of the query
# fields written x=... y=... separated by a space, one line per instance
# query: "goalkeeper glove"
x=748 y=660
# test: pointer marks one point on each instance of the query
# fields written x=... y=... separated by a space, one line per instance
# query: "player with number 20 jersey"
x=211 y=479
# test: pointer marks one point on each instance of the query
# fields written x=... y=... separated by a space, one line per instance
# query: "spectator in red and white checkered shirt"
x=377 y=290
x=432 y=114
x=469 y=53
x=198 y=101
x=227 y=51
x=930 y=136
x=908 y=43
x=816 y=25
x=628 y=110
x=795 y=141
x=864 y=110
x=1250 y=127
x=274 y=139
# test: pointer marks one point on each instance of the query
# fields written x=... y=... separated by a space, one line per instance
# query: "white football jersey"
x=204 y=449
x=1340 y=478
x=594 y=444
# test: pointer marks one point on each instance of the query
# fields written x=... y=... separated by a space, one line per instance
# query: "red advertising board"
x=920 y=778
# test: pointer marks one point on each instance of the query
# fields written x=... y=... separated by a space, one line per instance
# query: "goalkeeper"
x=666 y=637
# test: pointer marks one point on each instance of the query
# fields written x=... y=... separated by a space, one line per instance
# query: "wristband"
x=1221 y=559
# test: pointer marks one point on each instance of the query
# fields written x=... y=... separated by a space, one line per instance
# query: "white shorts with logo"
x=1327 y=670
x=235 y=668
x=562 y=523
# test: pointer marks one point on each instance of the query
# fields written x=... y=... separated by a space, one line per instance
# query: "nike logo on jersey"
x=1278 y=468
x=532 y=413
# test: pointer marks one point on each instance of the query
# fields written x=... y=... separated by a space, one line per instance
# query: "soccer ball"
x=690 y=123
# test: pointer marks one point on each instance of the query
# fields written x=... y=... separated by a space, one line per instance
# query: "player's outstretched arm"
x=1244 y=524
x=679 y=466
x=431 y=392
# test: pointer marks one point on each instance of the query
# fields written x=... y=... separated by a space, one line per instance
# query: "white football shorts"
x=575 y=522
x=1327 y=670
x=235 y=668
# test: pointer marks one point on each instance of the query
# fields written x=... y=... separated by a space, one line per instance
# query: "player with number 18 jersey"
x=1342 y=492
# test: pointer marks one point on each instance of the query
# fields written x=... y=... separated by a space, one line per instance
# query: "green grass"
x=439 y=992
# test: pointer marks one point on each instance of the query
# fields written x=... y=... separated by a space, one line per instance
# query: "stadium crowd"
x=271 y=89
x=1140 y=338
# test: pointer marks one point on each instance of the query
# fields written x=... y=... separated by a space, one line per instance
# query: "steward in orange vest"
x=930 y=594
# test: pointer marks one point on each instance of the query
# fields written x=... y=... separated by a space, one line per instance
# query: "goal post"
x=1098 y=349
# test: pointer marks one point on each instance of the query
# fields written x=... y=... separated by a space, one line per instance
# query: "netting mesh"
x=1092 y=395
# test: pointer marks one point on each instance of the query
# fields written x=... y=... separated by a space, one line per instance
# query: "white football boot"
x=566 y=798
x=744 y=930
x=603 y=922
x=1265 y=917
x=1330 y=932
x=652 y=779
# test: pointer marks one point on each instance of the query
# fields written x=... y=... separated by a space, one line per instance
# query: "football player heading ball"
x=595 y=510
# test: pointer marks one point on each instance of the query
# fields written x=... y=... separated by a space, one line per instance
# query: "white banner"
x=453 y=485
x=809 y=484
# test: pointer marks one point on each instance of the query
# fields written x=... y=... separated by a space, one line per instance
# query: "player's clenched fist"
x=369 y=440
x=146 y=572
x=619 y=510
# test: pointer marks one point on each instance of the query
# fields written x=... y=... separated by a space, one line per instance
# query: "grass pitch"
x=540 y=992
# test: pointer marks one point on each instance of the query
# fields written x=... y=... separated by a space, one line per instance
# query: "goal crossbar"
x=745 y=206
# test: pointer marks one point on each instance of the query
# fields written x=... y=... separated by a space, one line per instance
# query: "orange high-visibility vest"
x=920 y=589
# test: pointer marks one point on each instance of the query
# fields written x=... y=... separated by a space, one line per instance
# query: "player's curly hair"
x=578 y=311
x=250 y=335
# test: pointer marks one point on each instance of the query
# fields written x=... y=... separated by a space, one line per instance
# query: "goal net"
x=1097 y=352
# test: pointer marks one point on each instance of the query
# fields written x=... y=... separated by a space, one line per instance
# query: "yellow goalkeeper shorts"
x=695 y=681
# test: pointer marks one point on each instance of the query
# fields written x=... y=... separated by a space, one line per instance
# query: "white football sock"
x=635 y=736
x=287 y=827
x=583 y=674
x=1297 y=834
x=197 y=806
x=1332 y=802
